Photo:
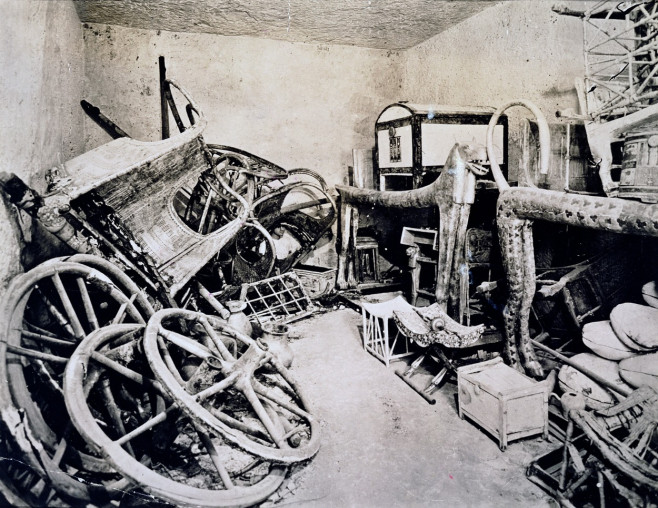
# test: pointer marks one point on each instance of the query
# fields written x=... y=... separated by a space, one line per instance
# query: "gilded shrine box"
x=413 y=141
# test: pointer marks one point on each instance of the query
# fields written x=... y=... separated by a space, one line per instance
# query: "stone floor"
x=383 y=445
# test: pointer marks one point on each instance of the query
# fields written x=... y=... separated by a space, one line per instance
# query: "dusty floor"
x=383 y=445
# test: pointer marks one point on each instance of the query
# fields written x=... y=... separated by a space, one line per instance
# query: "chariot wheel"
x=118 y=278
x=124 y=414
x=255 y=253
x=225 y=381
x=304 y=211
x=247 y=163
x=47 y=312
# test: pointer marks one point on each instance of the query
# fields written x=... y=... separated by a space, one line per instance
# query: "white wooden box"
x=503 y=401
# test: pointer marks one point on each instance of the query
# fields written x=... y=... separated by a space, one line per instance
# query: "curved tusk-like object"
x=544 y=141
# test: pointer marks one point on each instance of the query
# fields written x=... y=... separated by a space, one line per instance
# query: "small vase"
x=275 y=337
x=238 y=319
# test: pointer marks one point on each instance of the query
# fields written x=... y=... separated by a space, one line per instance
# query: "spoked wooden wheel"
x=225 y=381
x=249 y=163
x=47 y=312
x=118 y=278
x=124 y=414
x=255 y=253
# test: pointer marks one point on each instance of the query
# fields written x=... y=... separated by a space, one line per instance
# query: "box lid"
x=499 y=377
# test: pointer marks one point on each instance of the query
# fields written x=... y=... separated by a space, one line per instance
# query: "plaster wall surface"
x=514 y=50
x=41 y=56
x=296 y=104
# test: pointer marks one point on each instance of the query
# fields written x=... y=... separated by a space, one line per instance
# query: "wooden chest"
x=504 y=402
x=413 y=141
x=639 y=174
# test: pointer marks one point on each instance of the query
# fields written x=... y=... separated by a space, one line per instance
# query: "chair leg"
x=366 y=329
x=387 y=348
x=406 y=377
x=436 y=381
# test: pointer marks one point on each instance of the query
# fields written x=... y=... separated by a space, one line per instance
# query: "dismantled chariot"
x=124 y=376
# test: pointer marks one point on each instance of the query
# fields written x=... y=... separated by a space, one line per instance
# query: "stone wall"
x=296 y=104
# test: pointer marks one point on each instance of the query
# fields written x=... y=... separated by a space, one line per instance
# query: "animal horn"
x=544 y=141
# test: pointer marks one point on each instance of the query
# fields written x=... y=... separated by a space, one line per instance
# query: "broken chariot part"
x=121 y=410
x=48 y=311
x=226 y=382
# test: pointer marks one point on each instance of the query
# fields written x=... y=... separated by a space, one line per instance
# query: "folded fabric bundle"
x=640 y=370
x=596 y=396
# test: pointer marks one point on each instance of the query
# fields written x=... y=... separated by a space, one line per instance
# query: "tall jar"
x=238 y=319
x=275 y=337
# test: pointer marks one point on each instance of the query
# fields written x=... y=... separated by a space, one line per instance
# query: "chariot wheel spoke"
x=146 y=426
x=169 y=361
x=86 y=302
x=241 y=426
x=30 y=353
x=73 y=319
x=47 y=339
x=126 y=372
x=121 y=313
x=216 y=388
x=114 y=412
x=216 y=459
x=264 y=417
x=268 y=394
x=42 y=331
x=55 y=312
x=217 y=341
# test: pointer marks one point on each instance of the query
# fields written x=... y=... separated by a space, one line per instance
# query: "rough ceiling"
x=382 y=24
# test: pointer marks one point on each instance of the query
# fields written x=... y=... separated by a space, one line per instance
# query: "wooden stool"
x=381 y=336
x=367 y=258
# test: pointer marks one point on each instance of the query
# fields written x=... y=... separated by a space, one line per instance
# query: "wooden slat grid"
x=280 y=298
x=620 y=58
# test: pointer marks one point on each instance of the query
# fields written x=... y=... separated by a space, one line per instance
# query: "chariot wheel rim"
x=115 y=448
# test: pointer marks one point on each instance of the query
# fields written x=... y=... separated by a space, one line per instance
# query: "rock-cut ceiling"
x=381 y=24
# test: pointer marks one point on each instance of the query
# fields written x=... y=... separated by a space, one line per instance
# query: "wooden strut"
x=103 y=122
x=164 y=107
x=434 y=382
x=599 y=379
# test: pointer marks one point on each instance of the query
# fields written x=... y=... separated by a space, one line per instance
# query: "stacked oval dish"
x=624 y=351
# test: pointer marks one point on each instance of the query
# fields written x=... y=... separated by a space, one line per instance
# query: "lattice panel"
x=277 y=299
x=621 y=52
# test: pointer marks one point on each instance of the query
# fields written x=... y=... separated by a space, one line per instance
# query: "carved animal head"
x=461 y=167
x=474 y=154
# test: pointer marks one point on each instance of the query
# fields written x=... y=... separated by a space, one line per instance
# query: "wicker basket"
x=317 y=280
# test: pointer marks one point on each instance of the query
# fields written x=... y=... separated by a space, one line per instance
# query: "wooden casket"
x=413 y=141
